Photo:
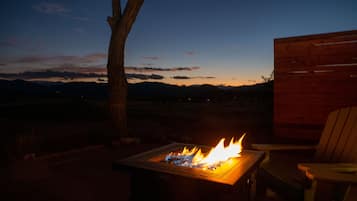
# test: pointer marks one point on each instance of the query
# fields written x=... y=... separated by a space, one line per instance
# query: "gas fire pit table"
x=154 y=178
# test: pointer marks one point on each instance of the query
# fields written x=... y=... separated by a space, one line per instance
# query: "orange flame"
x=195 y=158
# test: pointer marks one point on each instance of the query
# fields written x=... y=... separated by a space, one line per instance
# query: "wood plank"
x=336 y=133
x=324 y=37
x=313 y=99
x=310 y=49
x=351 y=193
x=350 y=150
x=331 y=175
x=326 y=134
x=303 y=113
x=277 y=147
x=305 y=84
x=314 y=73
x=346 y=135
x=310 y=105
x=312 y=87
x=341 y=167
x=332 y=172
x=316 y=69
x=298 y=62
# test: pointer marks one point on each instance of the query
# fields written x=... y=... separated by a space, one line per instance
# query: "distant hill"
x=19 y=89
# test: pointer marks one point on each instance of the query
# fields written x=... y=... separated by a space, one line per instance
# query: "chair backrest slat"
x=336 y=133
x=347 y=144
x=338 y=139
x=326 y=134
x=349 y=153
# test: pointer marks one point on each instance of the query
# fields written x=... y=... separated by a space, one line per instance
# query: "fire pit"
x=186 y=170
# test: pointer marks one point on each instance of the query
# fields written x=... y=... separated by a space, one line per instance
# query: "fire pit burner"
x=194 y=158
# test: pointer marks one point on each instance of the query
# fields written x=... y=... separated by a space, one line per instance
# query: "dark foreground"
x=84 y=174
x=40 y=123
x=54 y=117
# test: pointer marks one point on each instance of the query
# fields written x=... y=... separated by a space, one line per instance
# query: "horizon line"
x=105 y=82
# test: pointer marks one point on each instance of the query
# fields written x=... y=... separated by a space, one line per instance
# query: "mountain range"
x=18 y=89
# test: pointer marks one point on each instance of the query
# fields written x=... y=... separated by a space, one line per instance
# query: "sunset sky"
x=226 y=42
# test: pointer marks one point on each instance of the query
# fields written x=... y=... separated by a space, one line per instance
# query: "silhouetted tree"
x=120 y=24
x=268 y=78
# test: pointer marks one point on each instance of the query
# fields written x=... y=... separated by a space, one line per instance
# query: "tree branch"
x=129 y=15
x=116 y=9
x=116 y=14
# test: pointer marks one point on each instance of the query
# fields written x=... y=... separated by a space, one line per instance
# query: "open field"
x=42 y=118
x=53 y=125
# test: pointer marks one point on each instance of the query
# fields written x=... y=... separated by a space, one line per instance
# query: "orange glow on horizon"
x=179 y=82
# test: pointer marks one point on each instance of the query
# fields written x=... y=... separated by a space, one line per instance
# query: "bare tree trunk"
x=120 y=24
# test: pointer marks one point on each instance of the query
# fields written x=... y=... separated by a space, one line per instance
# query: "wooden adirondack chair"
x=332 y=167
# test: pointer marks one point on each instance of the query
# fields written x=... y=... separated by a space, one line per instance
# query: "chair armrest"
x=331 y=172
x=282 y=147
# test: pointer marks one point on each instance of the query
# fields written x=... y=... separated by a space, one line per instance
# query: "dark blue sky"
x=204 y=41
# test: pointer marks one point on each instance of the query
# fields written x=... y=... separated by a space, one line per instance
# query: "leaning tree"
x=120 y=23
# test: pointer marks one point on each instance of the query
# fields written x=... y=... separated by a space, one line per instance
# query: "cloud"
x=130 y=76
x=56 y=9
x=95 y=57
x=85 y=66
x=49 y=74
x=190 y=53
x=90 y=58
x=156 y=69
x=206 y=77
x=79 y=30
x=99 y=69
x=90 y=62
x=80 y=18
x=179 y=77
x=22 y=43
x=42 y=59
x=147 y=64
x=50 y=8
x=9 y=42
x=151 y=57
x=187 y=68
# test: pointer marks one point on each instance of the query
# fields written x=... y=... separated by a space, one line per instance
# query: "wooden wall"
x=313 y=75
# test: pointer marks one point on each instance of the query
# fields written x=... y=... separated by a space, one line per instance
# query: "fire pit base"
x=147 y=185
x=153 y=179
